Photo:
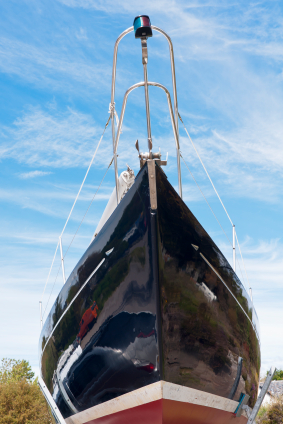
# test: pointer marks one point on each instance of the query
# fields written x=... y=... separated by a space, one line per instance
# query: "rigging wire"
x=77 y=231
x=85 y=175
x=243 y=264
x=89 y=206
x=205 y=169
x=214 y=214
x=243 y=278
x=205 y=199
x=51 y=291
x=92 y=159
x=217 y=196
x=50 y=270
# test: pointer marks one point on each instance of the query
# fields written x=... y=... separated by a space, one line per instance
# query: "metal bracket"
x=62 y=259
x=49 y=399
x=144 y=157
x=247 y=409
x=242 y=402
x=144 y=51
x=152 y=183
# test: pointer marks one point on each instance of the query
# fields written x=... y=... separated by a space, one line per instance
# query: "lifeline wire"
x=77 y=231
x=243 y=261
x=205 y=170
x=51 y=291
x=86 y=175
x=50 y=270
x=106 y=125
x=215 y=192
x=89 y=206
x=205 y=199
x=72 y=301
x=243 y=278
x=216 y=218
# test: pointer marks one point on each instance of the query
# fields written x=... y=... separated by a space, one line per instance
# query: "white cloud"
x=64 y=139
x=57 y=201
x=58 y=67
x=229 y=75
x=33 y=174
x=246 y=153
x=264 y=265
x=81 y=34
x=244 y=149
x=250 y=27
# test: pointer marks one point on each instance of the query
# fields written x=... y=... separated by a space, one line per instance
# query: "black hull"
x=161 y=311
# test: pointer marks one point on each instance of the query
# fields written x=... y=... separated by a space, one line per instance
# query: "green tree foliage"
x=12 y=370
x=278 y=375
x=21 y=401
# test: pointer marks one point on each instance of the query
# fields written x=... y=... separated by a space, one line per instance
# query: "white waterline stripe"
x=74 y=298
x=213 y=269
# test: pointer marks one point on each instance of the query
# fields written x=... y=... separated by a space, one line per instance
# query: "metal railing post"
x=144 y=62
x=62 y=259
x=175 y=100
x=141 y=84
x=40 y=313
x=234 y=248
x=112 y=105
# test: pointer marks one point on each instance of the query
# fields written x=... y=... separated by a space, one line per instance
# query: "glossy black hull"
x=154 y=310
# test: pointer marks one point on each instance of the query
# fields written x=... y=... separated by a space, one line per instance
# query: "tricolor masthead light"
x=142 y=26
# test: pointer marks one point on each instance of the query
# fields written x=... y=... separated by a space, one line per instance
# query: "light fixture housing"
x=142 y=26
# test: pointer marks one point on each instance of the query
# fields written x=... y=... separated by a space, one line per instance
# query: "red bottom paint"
x=165 y=411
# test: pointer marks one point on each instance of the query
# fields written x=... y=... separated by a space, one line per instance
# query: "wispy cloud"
x=81 y=34
x=229 y=76
x=33 y=174
x=263 y=262
x=246 y=26
x=56 y=67
x=59 y=140
x=57 y=201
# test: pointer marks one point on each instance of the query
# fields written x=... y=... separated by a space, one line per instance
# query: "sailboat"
x=152 y=325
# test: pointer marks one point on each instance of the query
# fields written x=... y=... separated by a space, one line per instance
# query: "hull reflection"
x=153 y=312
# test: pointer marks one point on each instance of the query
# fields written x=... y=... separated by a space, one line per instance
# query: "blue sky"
x=56 y=65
